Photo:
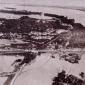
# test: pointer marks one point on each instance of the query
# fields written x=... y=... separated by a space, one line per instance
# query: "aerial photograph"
x=42 y=42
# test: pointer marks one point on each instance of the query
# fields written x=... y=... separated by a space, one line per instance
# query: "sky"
x=79 y=3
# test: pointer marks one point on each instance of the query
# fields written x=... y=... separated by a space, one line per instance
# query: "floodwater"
x=70 y=13
x=42 y=71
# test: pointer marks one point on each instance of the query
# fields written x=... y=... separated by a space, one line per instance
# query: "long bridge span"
x=22 y=51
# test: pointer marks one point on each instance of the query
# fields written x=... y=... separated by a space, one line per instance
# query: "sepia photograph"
x=42 y=42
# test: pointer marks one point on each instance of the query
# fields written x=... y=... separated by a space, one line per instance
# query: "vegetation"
x=26 y=24
x=26 y=28
x=65 y=79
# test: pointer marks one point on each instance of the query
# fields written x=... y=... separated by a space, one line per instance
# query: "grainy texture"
x=42 y=42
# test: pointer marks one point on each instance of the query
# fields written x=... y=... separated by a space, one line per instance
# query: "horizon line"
x=28 y=4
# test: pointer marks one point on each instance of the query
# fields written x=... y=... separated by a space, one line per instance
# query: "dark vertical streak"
x=9 y=79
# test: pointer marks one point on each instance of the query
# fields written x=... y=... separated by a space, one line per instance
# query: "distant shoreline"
x=53 y=6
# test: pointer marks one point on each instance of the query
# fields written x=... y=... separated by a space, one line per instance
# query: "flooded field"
x=42 y=70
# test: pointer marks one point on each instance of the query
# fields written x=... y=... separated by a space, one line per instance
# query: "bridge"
x=23 y=51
